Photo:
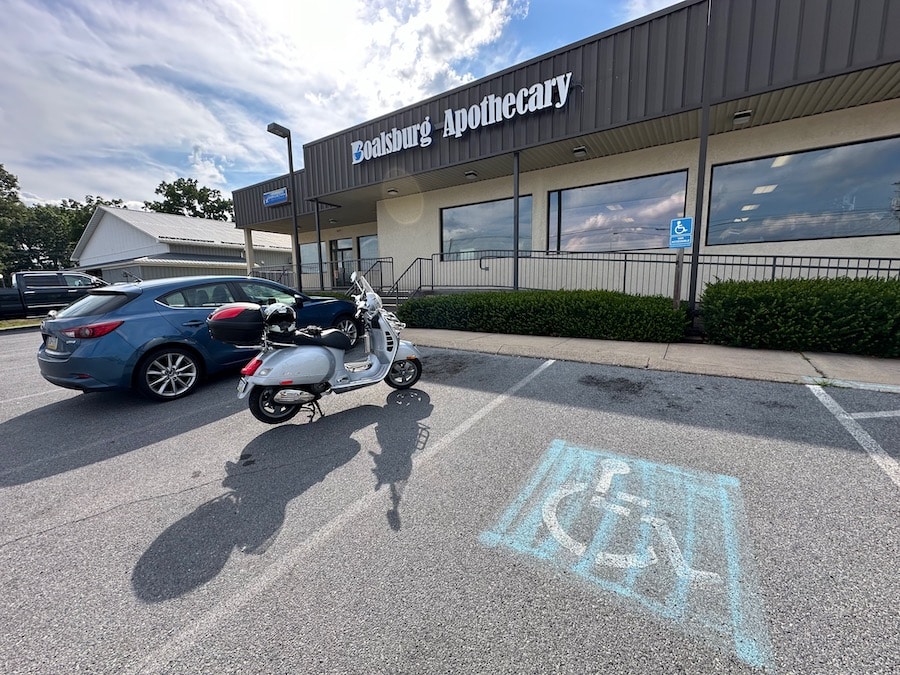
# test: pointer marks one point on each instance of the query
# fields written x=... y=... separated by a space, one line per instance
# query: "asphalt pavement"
x=847 y=370
x=843 y=370
x=508 y=514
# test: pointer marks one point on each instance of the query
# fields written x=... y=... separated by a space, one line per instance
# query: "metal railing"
x=632 y=273
x=627 y=272
x=335 y=275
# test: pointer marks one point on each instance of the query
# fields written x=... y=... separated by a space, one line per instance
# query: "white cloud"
x=635 y=9
x=111 y=97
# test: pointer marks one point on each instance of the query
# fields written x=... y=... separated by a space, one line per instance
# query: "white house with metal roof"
x=118 y=244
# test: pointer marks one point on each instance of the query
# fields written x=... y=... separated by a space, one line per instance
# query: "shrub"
x=602 y=315
x=852 y=316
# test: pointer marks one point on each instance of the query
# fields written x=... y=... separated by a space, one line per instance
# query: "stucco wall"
x=409 y=227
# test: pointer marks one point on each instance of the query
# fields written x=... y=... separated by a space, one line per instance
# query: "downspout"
x=515 y=221
x=319 y=247
x=701 y=171
x=248 y=251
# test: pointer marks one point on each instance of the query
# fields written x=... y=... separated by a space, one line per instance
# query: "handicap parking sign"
x=670 y=539
x=681 y=233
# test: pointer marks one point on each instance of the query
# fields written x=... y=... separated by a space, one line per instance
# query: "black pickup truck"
x=36 y=293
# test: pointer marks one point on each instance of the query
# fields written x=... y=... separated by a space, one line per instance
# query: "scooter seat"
x=327 y=338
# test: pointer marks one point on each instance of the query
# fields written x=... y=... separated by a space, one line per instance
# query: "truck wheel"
x=168 y=373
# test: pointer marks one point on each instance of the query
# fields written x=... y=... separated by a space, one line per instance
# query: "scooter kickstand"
x=313 y=408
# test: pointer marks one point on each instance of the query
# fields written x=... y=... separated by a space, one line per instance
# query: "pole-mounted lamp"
x=284 y=132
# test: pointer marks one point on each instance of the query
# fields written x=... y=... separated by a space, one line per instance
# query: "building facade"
x=773 y=124
x=123 y=244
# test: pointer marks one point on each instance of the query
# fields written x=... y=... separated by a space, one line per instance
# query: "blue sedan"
x=152 y=336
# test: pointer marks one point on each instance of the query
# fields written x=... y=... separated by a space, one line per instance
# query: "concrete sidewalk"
x=684 y=357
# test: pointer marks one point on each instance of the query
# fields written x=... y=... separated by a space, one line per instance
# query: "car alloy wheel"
x=169 y=374
x=348 y=327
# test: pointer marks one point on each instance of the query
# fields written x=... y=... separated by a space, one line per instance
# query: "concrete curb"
x=844 y=370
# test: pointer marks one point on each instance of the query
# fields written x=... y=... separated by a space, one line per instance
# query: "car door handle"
x=194 y=324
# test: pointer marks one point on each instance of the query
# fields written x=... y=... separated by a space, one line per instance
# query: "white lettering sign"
x=493 y=109
x=393 y=141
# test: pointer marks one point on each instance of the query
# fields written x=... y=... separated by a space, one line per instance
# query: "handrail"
x=638 y=273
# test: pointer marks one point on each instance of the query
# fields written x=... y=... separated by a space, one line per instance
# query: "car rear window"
x=93 y=304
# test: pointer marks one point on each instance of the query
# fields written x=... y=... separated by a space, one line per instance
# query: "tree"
x=10 y=205
x=39 y=239
x=43 y=236
x=11 y=211
x=185 y=198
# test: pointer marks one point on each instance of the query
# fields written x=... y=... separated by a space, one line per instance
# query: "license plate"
x=52 y=343
x=242 y=386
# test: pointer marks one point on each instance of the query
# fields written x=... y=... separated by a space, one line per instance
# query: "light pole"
x=284 y=132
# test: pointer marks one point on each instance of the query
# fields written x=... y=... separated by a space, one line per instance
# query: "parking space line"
x=170 y=650
x=885 y=462
x=875 y=415
x=853 y=384
x=24 y=397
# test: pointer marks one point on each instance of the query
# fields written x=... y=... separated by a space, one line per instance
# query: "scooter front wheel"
x=265 y=409
x=404 y=374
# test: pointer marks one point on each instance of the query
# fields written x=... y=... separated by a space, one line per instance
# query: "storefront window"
x=368 y=247
x=621 y=216
x=487 y=226
x=848 y=191
x=309 y=259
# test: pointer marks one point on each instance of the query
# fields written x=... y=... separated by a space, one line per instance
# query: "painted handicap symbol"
x=609 y=469
x=672 y=540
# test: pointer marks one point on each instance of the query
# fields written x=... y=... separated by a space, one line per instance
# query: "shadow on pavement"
x=275 y=468
x=89 y=428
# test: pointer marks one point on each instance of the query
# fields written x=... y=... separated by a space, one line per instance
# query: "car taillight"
x=251 y=367
x=93 y=330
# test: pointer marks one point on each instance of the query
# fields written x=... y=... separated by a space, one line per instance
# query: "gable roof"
x=170 y=228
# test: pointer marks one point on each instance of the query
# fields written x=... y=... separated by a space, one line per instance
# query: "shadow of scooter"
x=274 y=468
x=400 y=434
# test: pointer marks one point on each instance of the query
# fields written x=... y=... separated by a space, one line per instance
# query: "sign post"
x=681 y=236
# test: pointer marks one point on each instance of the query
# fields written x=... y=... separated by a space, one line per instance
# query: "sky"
x=109 y=98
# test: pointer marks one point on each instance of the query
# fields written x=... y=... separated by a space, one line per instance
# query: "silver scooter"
x=297 y=367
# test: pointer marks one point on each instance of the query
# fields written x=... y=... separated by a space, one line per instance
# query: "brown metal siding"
x=761 y=45
x=248 y=202
x=647 y=69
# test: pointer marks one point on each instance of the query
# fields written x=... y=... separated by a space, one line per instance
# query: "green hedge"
x=586 y=314
x=851 y=316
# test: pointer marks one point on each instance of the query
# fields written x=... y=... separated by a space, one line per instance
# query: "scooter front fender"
x=406 y=350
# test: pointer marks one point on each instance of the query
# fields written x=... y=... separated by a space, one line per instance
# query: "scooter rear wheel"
x=404 y=374
x=265 y=409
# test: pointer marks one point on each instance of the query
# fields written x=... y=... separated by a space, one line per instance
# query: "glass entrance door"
x=341 y=261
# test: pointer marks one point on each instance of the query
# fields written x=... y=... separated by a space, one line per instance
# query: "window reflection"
x=487 y=226
x=847 y=191
x=309 y=258
x=625 y=215
x=368 y=246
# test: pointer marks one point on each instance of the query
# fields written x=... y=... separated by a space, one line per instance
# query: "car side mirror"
x=298 y=301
